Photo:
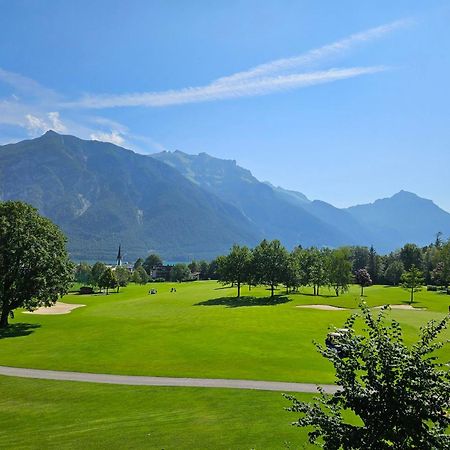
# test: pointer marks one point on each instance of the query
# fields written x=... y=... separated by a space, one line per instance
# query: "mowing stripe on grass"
x=164 y=381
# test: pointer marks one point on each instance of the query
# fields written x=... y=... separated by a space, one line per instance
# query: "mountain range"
x=189 y=206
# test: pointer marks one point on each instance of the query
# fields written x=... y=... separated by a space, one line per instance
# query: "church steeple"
x=119 y=256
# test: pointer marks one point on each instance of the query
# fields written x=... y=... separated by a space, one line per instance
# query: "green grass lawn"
x=200 y=331
x=39 y=414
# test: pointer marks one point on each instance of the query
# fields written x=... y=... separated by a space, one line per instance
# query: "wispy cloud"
x=27 y=86
x=33 y=107
x=259 y=80
x=114 y=137
x=36 y=108
x=219 y=91
x=52 y=121
x=316 y=55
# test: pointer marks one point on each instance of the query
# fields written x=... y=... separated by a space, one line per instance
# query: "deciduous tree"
x=83 y=273
x=372 y=265
x=399 y=394
x=151 y=261
x=339 y=270
x=235 y=267
x=411 y=255
x=269 y=260
x=393 y=272
x=34 y=265
x=180 y=272
x=318 y=274
x=412 y=281
x=360 y=258
x=444 y=260
x=122 y=276
x=107 y=280
x=96 y=273
x=362 y=277
x=139 y=276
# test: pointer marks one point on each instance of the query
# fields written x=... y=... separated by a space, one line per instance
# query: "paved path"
x=163 y=381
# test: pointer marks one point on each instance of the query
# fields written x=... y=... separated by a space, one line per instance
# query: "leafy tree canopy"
x=411 y=255
x=108 y=280
x=151 y=261
x=139 y=276
x=235 y=267
x=34 y=265
x=412 y=281
x=399 y=394
x=96 y=273
x=393 y=272
x=339 y=270
x=362 y=277
x=269 y=262
x=180 y=272
x=83 y=273
x=122 y=276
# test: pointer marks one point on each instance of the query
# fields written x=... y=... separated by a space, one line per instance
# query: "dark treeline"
x=271 y=264
x=151 y=269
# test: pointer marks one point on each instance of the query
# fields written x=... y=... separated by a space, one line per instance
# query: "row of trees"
x=269 y=263
x=432 y=260
x=103 y=277
x=180 y=271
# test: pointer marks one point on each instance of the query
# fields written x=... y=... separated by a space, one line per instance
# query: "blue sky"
x=344 y=101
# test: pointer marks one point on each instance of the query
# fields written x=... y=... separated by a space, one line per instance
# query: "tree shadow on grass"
x=318 y=296
x=408 y=302
x=18 y=329
x=234 y=302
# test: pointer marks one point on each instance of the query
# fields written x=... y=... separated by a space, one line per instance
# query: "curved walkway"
x=164 y=381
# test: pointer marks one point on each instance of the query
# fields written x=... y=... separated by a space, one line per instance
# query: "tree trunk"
x=272 y=289
x=318 y=290
x=362 y=291
x=239 y=289
x=4 y=319
x=411 y=298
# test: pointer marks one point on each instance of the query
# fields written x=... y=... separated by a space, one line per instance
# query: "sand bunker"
x=323 y=307
x=407 y=307
x=57 y=308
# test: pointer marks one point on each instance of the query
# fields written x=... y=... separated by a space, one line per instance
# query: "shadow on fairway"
x=234 y=302
x=318 y=296
x=18 y=329
x=407 y=302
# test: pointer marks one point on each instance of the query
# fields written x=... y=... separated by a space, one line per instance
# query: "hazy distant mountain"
x=190 y=206
x=292 y=217
x=275 y=212
x=342 y=220
x=404 y=217
x=101 y=194
x=294 y=197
